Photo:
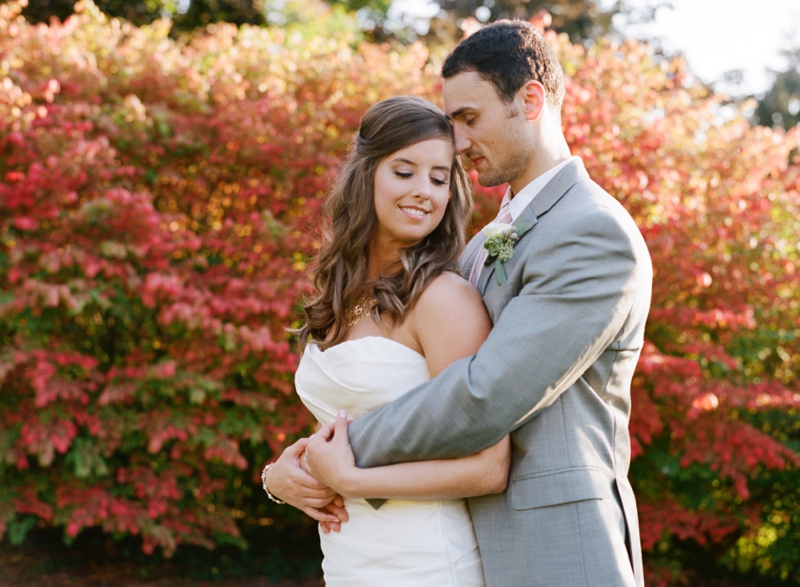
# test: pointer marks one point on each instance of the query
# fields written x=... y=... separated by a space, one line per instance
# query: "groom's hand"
x=289 y=481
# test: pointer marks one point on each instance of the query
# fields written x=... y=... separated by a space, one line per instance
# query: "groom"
x=569 y=310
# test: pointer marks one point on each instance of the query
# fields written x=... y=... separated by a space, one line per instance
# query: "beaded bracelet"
x=264 y=484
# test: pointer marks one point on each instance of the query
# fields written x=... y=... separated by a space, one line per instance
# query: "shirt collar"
x=526 y=195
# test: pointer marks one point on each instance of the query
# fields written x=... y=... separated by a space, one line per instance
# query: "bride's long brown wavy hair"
x=339 y=275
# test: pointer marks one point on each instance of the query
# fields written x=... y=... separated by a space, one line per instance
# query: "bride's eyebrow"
x=404 y=160
x=410 y=162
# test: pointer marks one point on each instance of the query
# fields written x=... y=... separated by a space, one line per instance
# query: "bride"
x=390 y=312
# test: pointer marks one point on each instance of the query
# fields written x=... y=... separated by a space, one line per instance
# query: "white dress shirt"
x=526 y=195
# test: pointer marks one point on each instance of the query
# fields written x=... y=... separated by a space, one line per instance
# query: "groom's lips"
x=476 y=161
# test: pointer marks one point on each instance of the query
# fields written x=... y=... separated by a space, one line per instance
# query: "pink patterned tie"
x=504 y=216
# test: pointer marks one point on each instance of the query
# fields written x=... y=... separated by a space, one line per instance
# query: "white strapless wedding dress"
x=404 y=543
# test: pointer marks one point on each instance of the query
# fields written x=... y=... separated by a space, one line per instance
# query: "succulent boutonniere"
x=500 y=242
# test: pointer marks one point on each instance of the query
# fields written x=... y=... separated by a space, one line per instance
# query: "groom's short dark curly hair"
x=509 y=53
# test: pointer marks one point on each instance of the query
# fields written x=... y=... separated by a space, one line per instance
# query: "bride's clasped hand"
x=329 y=458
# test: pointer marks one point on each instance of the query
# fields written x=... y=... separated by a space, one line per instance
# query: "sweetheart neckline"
x=372 y=336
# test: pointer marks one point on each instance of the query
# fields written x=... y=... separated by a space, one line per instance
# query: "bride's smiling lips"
x=414 y=212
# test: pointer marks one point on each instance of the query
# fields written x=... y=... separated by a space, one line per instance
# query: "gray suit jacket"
x=555 y=372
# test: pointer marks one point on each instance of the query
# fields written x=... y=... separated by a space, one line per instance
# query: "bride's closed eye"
x=435 y=180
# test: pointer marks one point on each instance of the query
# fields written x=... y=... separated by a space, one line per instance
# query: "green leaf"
x=523 y=226
x=197 y=395
x=86 y=459
x=6 y=297
x=500 y=273
x=18 y=529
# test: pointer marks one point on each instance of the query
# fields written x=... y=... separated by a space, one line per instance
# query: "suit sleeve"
x=577 y=291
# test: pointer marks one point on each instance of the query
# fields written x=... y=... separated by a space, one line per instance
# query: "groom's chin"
x=489 y=181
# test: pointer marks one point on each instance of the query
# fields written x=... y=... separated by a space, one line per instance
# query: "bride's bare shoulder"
x=449 y=321
x=449 y=289
x=450 y=301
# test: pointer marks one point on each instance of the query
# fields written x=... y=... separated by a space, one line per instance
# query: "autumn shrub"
x=158 y=202
x=159 y=205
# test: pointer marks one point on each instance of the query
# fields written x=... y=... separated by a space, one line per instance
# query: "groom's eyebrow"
x=459 y=112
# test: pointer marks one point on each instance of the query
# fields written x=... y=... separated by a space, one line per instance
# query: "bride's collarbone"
x=400 y=333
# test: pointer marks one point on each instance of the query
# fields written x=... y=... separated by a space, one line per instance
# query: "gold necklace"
x=360 y=309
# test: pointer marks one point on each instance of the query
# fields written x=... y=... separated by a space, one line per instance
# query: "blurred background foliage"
x=781 y=103
x=159 y=186
x=384 y=20
x=581 y=19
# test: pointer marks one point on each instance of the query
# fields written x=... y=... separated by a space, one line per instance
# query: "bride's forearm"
x=480 y=474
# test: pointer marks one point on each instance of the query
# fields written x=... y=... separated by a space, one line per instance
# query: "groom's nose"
x=462 y=143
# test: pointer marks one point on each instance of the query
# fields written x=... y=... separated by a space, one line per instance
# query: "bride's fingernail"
x=343 y=413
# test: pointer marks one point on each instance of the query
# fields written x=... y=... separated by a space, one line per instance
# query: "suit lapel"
x=557 y=187
x=551 y=193
x=487 y=273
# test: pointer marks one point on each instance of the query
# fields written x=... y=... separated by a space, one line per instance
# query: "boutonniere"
x=501 y=239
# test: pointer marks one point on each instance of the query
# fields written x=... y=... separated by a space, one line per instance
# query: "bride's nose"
x=422 y=188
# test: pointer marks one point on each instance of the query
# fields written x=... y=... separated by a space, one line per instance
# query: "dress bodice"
x=358 y=375
x=405 y=542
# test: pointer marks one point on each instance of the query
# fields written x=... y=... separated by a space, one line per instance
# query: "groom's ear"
x=532 y=94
